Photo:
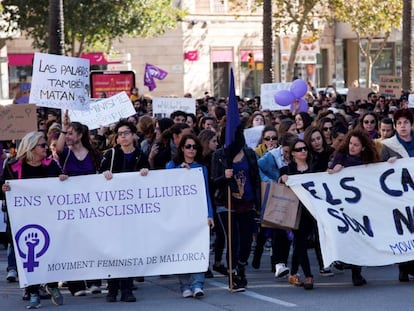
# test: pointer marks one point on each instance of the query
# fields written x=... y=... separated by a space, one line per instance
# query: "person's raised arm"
x=60 y=144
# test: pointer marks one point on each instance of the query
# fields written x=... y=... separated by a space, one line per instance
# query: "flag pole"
x=232 y=122
x=229 y=239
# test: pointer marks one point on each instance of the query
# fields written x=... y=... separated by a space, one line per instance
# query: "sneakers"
x=34 y=302
x=198 y=292
x=55 y=295
x=80 y=293
x=220 y=269
x=128 y=297
x=95 y=289
x=237 y=285
x=281 y=270
x=325 y=272
x=11 y=276
x=295 y=280
x=187 y=293
x=308 y=284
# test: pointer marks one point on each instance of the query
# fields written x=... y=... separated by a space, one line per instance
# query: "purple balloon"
x=299 y=88
x=284 y=97
x=303 y=106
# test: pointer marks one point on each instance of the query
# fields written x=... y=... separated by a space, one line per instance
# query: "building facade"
x=198 y=54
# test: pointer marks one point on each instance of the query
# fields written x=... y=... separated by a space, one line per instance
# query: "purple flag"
x=233 y=116
x=152 y=72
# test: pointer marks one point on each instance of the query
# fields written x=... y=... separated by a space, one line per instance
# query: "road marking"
x=255 y=295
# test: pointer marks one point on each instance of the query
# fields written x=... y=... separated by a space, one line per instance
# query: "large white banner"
x=60 y=82
x=90 y=228
x=364 y=213
x=104 y=111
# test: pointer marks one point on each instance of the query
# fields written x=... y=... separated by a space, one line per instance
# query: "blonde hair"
x=27 y=144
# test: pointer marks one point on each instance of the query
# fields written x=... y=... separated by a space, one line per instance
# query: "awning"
x=20 y=59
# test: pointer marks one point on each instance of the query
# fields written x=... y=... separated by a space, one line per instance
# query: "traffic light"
x=251 y=61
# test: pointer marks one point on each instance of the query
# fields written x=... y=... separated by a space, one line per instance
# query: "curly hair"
x=369 y=154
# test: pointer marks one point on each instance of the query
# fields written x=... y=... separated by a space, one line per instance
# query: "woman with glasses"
x=268 y=141
x=326 y=127
x=189 y=153
x=358 y=148
x=209 y=143
x=124 y=157
x=300 y=164
x=32 y=162
x=369 y=122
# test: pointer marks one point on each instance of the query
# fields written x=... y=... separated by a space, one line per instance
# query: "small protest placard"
x=163 y=106
x=104 y=111
x=356 y=93
x=267 y=95
x=17 y=120
x=390 y=86
x=252 y=135
x=60 y=82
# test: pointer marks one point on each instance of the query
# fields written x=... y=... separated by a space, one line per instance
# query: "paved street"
x=383 y=292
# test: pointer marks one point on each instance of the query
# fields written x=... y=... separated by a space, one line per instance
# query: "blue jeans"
x=11 y=258
x=191 y=281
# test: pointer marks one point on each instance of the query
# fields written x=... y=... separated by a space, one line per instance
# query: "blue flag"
x=233 y=116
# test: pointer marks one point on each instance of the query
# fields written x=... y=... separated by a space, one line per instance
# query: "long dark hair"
x=82 y=129
x=307 y=137
x=179 y=158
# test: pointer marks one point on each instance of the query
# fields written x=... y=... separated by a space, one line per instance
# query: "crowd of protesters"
x=332 y=134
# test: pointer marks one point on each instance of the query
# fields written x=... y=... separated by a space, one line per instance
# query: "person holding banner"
x=401 y=145
x=321 y=153
x=124 y=157
x=358 y=148
x=77 y=157
x=32 y=162
x=189 y=153
x=300 y=164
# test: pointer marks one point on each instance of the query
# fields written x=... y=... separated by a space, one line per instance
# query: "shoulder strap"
x=66 y=160
x=112 y=159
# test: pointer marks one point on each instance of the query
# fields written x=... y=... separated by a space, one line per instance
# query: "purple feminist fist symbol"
x=33 y=236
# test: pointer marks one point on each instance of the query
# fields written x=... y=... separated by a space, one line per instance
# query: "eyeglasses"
x=190 y=146
x=44 y=145
x=300 y=149
x=369 y=121
x=325 y=129
x=272 y=138
x=124 y=133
